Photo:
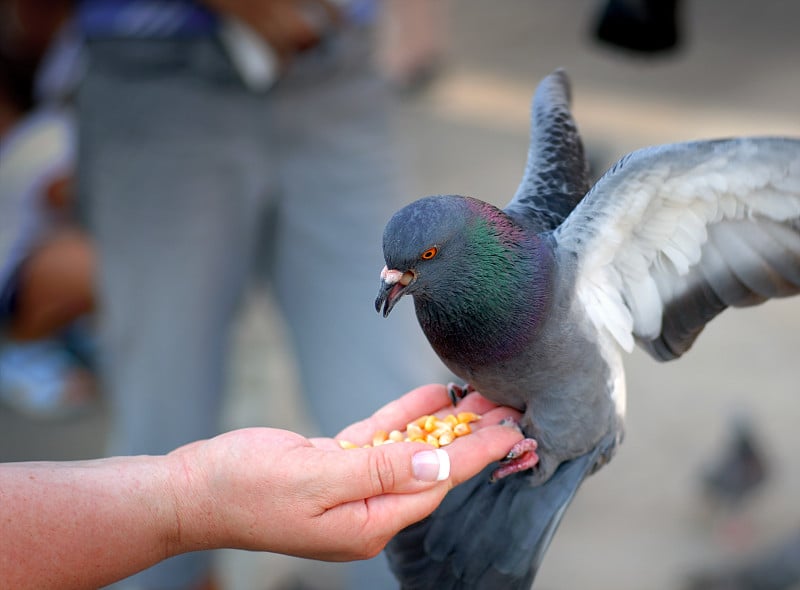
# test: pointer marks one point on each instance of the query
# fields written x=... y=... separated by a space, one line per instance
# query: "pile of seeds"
x=429 y=429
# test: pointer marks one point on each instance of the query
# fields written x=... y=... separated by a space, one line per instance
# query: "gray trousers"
x=186 y=177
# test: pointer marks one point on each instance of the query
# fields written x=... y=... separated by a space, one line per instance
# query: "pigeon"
x=739 y=470
x=776 y=567
x=534 y=305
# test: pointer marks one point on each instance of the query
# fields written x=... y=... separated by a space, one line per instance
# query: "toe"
x=521 y=457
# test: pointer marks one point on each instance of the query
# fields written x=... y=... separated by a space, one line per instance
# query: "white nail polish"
x=444 y=465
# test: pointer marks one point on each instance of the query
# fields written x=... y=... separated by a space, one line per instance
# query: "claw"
x=458 y=392
x=521 y=457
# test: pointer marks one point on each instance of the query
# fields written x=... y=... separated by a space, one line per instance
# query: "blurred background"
x=647 y=520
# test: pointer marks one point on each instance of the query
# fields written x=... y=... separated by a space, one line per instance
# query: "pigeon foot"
x=458 y=392
x=521 y=457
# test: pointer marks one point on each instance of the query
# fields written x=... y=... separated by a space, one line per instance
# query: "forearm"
x=85 y=524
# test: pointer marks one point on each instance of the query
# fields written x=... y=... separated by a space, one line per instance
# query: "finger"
x=417 y=402
x=396 y=414
x=404 y=468
x=474 y=402
x=393 y=513
x=357 y=474
x=470 y=454
x=428 y=399
x=494 y=416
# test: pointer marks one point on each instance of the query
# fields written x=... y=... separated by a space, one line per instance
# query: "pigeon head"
x=423 y=246
x=470 y=268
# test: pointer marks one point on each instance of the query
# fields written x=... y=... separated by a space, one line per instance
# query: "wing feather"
x=672 y=235
x=556 y=173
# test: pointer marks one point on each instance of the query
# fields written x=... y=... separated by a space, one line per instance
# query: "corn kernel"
x=427 y=429
x=440 y=431
x=467 y=417
x=414 y=431
x=446 y=438
x=461 y=429
x=346 y=444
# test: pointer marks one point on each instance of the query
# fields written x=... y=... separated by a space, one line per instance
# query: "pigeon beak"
x=394 y=285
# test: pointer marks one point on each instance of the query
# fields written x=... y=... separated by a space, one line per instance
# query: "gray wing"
x=556 y=172
x=672 y=235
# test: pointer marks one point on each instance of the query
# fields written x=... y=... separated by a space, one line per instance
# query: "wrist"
x=190 y=527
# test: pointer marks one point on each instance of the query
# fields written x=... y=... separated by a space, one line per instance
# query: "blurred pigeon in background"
x=533 y=305
x=776 y=568
x=739 y=470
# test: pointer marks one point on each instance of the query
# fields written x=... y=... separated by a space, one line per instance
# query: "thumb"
x=399 y=468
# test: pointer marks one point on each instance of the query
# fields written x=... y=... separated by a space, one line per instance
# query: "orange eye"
x=429 y=253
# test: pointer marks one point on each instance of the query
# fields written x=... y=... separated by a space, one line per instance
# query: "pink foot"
x=522 y=456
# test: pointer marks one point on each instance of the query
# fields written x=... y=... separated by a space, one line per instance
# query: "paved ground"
x=640 y=522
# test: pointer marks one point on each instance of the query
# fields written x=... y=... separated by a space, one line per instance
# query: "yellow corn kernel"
x=467 y=417
x=440 y=431
x=414 y=431
x=461 y=429
x=346 y=444
x=443 y=424
x=446 y=438
x=421 y=420
x=428 y=429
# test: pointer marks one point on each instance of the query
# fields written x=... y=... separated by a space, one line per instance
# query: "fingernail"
x=431 y=465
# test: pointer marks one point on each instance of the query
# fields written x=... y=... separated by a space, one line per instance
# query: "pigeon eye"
x=429 y=253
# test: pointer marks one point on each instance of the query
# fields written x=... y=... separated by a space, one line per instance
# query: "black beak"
x=388 y=295
x=394 y=284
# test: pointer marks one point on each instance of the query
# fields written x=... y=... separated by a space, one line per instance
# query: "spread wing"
x=672 y=235
x=556 y=172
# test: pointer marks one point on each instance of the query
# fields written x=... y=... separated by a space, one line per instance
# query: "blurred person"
x=643 y=27
x=412 y=42
x=209 y=133
x=45 y=261
x=82 y=524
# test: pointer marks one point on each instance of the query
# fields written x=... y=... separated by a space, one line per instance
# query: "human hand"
x=274 y=490
x=289 y=26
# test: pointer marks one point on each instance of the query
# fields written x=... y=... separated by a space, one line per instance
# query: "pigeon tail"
x=487 y=535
